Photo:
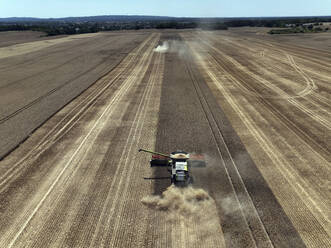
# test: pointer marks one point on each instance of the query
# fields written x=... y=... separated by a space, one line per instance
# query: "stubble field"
x=257 y=108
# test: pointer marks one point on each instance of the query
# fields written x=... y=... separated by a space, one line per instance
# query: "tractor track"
x=256 y=109
x=249 y=213
x=251 y=224
x=262 y=232
x=121 y=198
x=136 y=127
x=273 y=54
x=284 y=119
x=135 y=61
x=308 y=189
x=278 y=91
x=55 y=88
x=72 y=117
x=104 y=233
x=310 y=95
x=307 y=54
x=291 y=175
x=30 y=61
x=37 y=100
x=61 y=50
x=241 y=81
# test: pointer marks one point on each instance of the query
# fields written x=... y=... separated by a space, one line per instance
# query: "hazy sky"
x=193 y=8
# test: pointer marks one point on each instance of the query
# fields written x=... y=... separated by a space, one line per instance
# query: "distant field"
x=39 y=76
x=256 y=106
x=312 y=40
x=17 y=37
x=318 y=41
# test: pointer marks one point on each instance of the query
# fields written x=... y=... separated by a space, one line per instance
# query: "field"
x=79 y=107
x=18 y=37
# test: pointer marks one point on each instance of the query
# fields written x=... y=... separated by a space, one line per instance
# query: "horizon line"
x=141 y=15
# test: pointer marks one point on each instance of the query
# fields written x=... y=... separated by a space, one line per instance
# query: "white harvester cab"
x=179 y=168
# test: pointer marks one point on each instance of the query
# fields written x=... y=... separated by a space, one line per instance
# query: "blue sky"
x=192 y=8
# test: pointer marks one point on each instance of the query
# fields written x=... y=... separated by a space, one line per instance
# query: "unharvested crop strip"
x=115 y=238
x=145 y=60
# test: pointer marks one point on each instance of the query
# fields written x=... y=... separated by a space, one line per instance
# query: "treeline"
x=183 y=25
x=13 y=27
x=96 y=24
x=52 y=28
x=275 y=22
x=301 y=28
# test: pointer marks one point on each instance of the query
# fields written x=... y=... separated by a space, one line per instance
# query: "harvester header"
x=178 y=164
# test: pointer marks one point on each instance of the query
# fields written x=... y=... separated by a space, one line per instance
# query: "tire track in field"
x=81 y=235
x=28 y=215
x=307 y=54
x=308 y=96
x=86 y=232
x=108 y=211
x=118 y=236
x=181 y=121
x=310 y=93
x=40 y=98
x=311 y=90
x=276 y=157
x=290 y=124
x=24 y=48
x=322 y=160
x=86 y=214
x=36 y=209
x=324 y=122
x=248 y=210
x=273 y=54
x=241 y=82
x=269 y=148
x=27 y=60
x=73 y=116
x=325 y=162
x=49 y=70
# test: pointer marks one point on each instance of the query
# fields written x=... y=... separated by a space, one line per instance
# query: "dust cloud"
x=172 y=46
x=192 y=213
x=162 y=48
x=230 y=203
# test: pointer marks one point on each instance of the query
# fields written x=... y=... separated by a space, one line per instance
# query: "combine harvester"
x=178 y=164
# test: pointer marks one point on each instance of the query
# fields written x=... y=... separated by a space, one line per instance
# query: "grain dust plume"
x=172 y=46
x=192 y=214
x=162 y=48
